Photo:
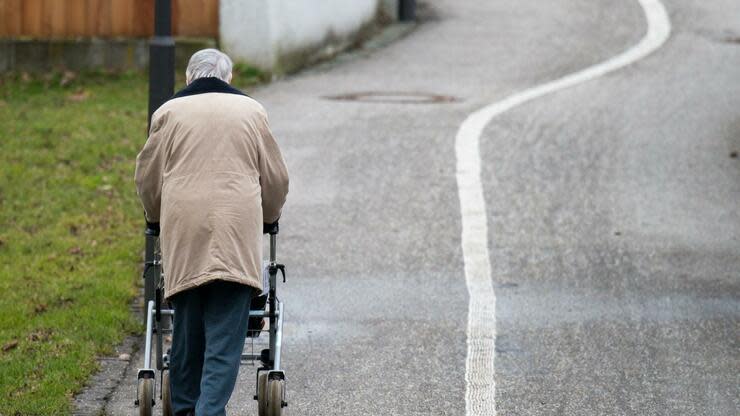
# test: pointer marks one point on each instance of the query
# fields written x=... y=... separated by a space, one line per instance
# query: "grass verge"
x=70 y=229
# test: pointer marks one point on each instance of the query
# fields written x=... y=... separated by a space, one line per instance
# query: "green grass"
x=70 y=230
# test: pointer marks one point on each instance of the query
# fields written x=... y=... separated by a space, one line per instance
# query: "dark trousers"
x=207 y=341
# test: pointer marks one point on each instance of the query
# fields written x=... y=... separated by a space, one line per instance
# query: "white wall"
x=265 y=32
x=245 y=31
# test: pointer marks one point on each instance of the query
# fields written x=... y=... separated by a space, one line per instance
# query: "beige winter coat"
x=211 y=173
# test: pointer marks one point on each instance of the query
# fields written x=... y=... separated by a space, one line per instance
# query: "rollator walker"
x=270 y=386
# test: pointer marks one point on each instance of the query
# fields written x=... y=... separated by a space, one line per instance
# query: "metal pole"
x=148 y=340
x=273 y=247
x=151 y=270
x=407 y=10
x=161 y=88
x=278 y=345
x=161 y=57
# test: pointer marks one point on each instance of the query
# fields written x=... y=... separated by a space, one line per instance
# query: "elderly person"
x=212 y=174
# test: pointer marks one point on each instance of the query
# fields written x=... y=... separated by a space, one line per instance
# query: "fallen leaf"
x=73 y=229
x=39 y=308
x=124 y=357
x=67 y=77
x=76 y=251
x=10 y=345
x=78 y=96
x=40 y=335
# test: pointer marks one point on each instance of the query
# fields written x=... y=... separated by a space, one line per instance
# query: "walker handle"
x=271 y=229
x=152 y=228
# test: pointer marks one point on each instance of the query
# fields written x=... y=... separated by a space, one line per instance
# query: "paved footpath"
x=612 y=213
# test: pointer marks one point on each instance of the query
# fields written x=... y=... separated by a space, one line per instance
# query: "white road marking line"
x=480 y=386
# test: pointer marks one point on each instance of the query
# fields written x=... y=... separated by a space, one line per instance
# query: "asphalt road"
x=612 y=213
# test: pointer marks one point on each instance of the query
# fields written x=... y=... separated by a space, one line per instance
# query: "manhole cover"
x=394 y=97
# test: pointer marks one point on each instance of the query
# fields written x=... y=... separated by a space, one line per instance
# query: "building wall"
x=281 y=35
x=277 y=36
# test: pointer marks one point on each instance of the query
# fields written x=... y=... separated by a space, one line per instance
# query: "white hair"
x=209 y=63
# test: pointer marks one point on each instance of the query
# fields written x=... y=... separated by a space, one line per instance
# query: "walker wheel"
x=146 y=396
x=166 y=397
x=276 y=396
x=262 y=394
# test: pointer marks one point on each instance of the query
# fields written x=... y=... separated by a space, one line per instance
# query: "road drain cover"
x=395 y=97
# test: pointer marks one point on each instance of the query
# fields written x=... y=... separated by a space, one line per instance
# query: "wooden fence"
x=55 y=19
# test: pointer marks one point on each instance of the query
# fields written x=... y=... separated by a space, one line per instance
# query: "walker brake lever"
x=275 y=267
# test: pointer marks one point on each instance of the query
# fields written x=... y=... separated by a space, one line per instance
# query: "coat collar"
x=206 y=85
